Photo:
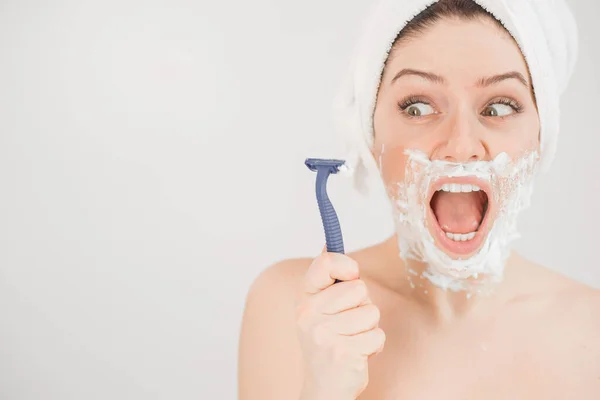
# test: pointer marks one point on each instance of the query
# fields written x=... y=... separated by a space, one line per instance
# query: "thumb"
x=324 y=250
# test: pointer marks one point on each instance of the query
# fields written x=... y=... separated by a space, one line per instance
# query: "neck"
x=407 y=280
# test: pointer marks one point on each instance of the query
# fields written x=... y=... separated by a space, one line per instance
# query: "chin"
x=460 y=219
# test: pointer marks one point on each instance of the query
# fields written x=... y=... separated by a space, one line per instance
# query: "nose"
x=461 y=140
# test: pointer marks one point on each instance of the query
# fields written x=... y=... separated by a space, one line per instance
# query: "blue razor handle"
x=331 y=224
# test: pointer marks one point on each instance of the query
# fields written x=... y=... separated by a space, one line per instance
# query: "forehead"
x=459 y=49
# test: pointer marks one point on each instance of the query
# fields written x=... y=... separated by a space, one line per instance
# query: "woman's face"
x=458 y=92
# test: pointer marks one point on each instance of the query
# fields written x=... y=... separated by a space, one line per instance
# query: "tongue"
x=458 y=212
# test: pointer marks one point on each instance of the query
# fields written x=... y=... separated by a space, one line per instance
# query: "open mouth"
x=459 y=209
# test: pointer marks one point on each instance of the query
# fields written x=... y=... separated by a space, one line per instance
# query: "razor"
x=331 y=224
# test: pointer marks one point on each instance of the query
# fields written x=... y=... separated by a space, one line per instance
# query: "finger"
x=355 y=321
x=369 y=342
x=341 y=297
x=328 y=267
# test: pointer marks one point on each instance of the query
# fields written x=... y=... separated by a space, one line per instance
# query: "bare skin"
x=535 y=337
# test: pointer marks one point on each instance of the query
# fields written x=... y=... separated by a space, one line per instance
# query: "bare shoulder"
x=583 y=303
x=574 y=295
x=574 y=309
x=269 y=355
x=561 y=321
x=564 y=303
x=576 y=325
x=275 y=290
x=544 y=281
x=281 y=279
x=580 y=302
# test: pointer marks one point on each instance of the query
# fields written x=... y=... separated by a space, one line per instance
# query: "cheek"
x=395 y=129
x=388 y=149
x=522 y=138
x=391 y=162
x=393 y=136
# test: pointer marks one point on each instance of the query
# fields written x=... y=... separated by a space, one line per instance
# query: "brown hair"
x=460 y=9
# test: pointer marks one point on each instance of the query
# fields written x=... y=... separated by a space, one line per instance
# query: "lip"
x=453 y=248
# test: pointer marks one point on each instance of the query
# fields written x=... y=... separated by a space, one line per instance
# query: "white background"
x=151 y=165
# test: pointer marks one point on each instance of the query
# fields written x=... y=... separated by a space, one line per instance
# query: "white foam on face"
x=511 y=183
x=345 y=170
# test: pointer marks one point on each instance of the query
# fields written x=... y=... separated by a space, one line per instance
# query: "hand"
x=338 y=329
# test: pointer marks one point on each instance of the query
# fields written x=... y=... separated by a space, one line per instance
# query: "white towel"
x=545 y=31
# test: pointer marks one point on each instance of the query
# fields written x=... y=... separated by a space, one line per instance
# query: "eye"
x=502 y=108
x=415 y=107
x=419 y=110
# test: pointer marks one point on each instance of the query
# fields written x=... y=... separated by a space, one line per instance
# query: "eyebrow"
x=414 y=72
x=492 y=80
x=482 y=82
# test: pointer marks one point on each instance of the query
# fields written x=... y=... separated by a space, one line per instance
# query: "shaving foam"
x=346 y=170
x=511 y=183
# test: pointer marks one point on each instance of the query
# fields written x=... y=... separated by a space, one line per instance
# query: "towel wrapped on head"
x=545 y=31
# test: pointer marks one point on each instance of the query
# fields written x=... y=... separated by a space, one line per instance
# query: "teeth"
x=460 y=237
x=458 y=188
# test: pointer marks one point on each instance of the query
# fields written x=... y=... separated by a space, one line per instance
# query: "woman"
x=462 y=116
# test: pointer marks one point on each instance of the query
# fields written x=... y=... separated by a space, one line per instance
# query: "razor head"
x=316 y=164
